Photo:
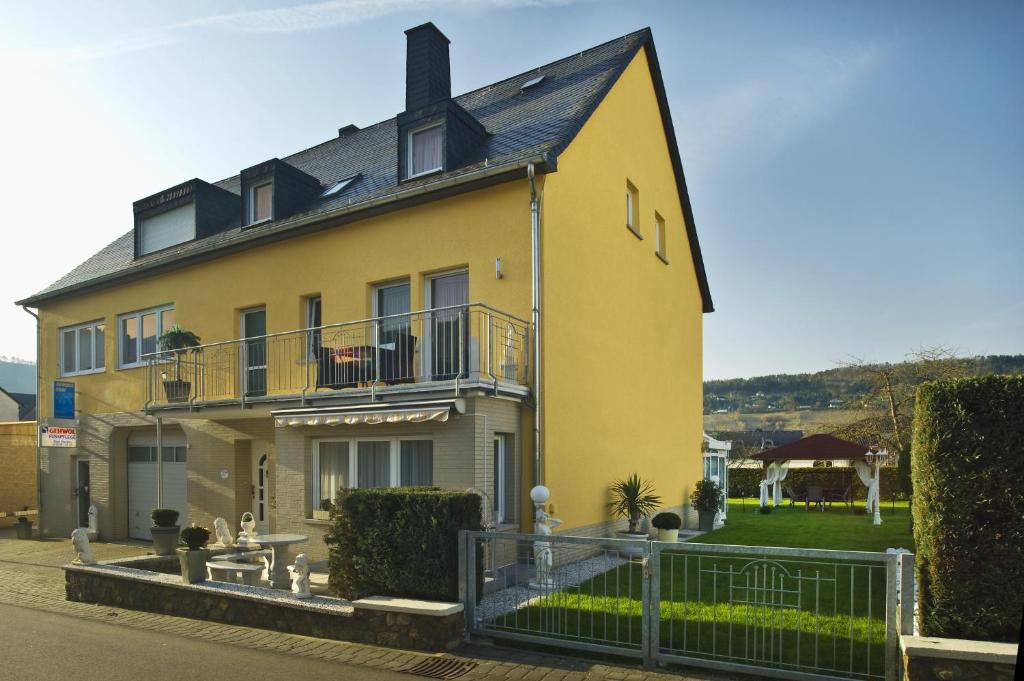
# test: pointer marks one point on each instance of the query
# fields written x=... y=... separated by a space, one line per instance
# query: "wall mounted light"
x=498 y=274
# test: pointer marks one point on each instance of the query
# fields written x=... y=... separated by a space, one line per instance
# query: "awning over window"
x=370 y=414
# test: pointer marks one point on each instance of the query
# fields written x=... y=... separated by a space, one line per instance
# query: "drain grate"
x=439 y=668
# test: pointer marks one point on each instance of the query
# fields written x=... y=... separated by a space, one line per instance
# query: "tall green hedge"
x=967 y=464
x=400 y=541
x=744 y=482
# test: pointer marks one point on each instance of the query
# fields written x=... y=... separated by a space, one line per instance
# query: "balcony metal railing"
x=448 y=347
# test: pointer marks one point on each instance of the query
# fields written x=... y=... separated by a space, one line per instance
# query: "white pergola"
x=822 y=447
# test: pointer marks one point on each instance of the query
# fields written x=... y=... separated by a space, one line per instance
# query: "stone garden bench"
x=227 y=571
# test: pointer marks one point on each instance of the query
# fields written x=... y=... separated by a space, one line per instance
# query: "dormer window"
x=260 y=202
x=426 y=150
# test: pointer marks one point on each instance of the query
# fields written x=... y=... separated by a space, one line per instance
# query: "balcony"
x=441 y=349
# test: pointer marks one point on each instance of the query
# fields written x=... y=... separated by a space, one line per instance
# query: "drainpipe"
x=159 y=462
x=535 y=318
x=39 y=405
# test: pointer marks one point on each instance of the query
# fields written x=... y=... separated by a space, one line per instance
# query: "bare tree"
x=889 y=400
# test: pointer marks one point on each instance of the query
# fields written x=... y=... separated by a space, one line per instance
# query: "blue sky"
x=856 y=169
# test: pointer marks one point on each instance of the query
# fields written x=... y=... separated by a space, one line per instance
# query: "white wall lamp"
x=498 y=274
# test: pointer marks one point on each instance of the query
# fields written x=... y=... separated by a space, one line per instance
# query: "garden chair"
x=845 y=497
x=794 y=497
x=816 y=496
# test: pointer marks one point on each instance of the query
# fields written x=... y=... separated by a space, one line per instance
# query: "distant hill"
x=832 y=389
x=17 y=375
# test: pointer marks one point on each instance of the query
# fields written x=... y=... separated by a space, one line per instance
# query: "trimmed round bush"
x=164 y=517
x=195 y=537
x=764 y=510
x=666 y=520
x=967 y=464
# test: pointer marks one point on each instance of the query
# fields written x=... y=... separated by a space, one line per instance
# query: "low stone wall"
x=948 y=659
x=165 y=593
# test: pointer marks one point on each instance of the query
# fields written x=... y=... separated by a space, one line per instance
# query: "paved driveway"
x=31 y=577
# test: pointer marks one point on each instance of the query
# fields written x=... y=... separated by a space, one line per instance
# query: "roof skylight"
x=338 y=186
x=533 y=82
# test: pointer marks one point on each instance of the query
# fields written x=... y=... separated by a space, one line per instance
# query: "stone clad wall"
x=396 y=629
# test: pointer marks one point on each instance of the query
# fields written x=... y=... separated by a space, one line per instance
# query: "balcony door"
x=448 y=301
x=254 y=352
x=395 y=336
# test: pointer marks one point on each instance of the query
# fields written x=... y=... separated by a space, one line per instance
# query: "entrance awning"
x=370 y=414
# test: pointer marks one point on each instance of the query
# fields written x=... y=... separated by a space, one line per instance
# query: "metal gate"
x=786 y=613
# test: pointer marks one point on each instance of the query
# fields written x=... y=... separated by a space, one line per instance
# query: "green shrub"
x=164 y=517
x=744 y=482
x=195 y=537
x=400 y=541
x=967 y=464
x=707 y=496
x=667 y=520
x=765 y=510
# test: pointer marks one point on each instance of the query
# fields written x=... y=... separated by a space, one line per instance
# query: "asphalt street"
x=42 y=646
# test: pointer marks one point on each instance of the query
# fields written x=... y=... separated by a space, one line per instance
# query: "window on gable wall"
x=425 y=150
x=633 y=209
x=81 y=349
x=659 y=238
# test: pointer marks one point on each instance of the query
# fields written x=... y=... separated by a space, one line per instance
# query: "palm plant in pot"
x=667 y=524
x=193 y=556
x=633 y=499
x=707 y=500
x=165 y=531
x=177 y=340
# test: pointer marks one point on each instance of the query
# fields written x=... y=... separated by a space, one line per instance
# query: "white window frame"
x=659 y=237
x=633 y=209
x=500 y=483
x=77 y=328
x=311 y=335
x=137 y=315
x=252 y=202
x=409 y=151
x=394 y=454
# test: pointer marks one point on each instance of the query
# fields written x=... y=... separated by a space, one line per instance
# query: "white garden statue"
x=543 y=556
x=248 y=533
x=223 y=533
x=94 y=525
x=80 y=540
x=300 y=577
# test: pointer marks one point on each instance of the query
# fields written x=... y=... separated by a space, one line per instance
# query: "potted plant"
x=177 y=340
x=23 y=528
x=193 y=556
x=667 y=524
x=324 y=512
x=707 y=499
x=633 y=499
x=165 y=530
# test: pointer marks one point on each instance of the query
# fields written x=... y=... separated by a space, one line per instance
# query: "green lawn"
x=836 y=528
x=794 y=613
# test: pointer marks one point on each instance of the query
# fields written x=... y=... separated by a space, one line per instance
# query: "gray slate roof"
x=521 y=125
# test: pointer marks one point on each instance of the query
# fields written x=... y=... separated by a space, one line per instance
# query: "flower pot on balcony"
x=177 y=390
x=165 y=539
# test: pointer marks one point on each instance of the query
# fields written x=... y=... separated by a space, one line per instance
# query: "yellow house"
x=486 y=291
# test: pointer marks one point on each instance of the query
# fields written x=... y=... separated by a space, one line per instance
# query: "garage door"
x=142 y=463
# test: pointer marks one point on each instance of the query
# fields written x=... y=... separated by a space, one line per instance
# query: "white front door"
x=261 y=493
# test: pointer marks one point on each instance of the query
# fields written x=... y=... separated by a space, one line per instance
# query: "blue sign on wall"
x=63 y=400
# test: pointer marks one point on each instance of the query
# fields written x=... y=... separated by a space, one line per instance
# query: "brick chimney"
x=428 y=78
